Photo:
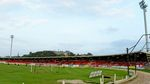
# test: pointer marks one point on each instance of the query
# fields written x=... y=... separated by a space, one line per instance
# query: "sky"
x=81 y=26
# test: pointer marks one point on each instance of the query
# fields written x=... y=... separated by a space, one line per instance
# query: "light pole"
x=128 y=64
x=143 y=6
x=11 y=36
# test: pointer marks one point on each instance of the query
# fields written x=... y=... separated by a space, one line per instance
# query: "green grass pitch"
x=14 y=74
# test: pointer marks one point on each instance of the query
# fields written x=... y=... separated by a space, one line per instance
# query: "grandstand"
x=136 y=58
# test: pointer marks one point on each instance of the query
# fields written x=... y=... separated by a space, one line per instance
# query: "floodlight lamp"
x=142 y=4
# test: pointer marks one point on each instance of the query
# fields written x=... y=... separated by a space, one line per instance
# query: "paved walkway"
x=142 y=78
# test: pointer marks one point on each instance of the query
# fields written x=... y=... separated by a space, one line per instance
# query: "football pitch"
x=14 y=74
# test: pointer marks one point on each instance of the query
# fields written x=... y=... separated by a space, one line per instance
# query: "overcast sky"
x=81 y=26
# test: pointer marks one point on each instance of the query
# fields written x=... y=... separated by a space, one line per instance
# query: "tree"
x=89 y=54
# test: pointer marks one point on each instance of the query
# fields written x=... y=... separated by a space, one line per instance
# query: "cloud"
x=119 y=12
x=8 y=2
x=111 y=29
x=116 y=47
x=21 y=22
x=67 y=3
x=34 y=5
x=112 y=1
x=102 y=7
x=70 y=46
x=76 y=25
x=121 y=45
x=111 y=8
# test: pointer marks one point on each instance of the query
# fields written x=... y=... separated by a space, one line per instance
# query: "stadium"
x=131 y=66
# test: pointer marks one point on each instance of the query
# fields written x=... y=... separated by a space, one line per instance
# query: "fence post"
x=31 y=68
x=115 y=78
x=63 y=82
x=126 y=76
x=102 y=79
